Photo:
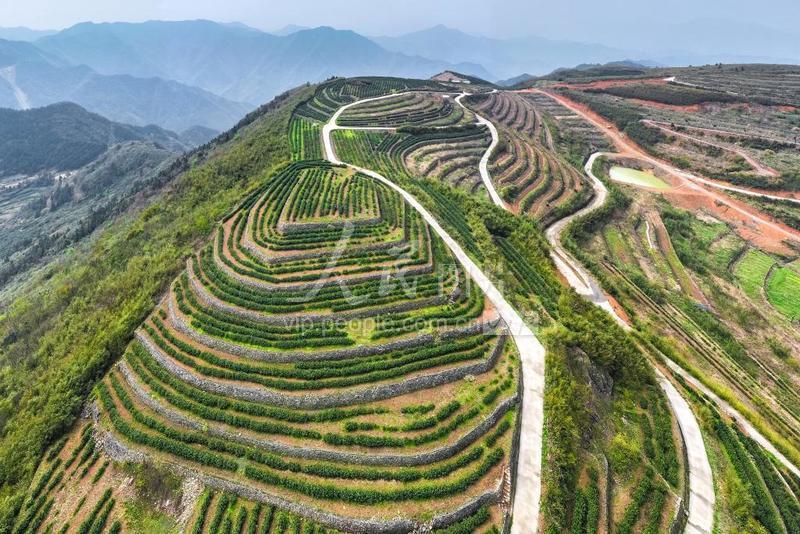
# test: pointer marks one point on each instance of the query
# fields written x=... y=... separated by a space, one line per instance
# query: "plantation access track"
x=325 y=350
x=701 y=484
x=692 y=191
x=528 y=483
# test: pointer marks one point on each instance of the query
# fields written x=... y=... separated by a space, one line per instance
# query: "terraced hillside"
x=755 y=81
x=323 y=362
x=448 y=159
x=526 y=167
x=580 y=484
x=411 y=108
x=691 y=271
x=512 y=111
x=667 y=247
x=316 y=353
x=571 y=135
x=447 y=156
x=331 y=96
x=745 y=139
x=649 y=256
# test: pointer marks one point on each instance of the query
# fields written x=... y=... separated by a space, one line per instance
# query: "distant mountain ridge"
x=63 y=172
x=612 y=68
x=243 y=66
x=31 y=77
x=20 y=33
x=289 y=29
x=237 y=63
x=504 y=58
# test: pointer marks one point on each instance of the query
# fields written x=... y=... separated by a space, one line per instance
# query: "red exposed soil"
x=766 y=232
x=618 y=309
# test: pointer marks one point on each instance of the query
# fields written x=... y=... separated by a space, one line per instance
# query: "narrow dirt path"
x=626 y=148
x=532 y=354
x=701 y=482
x=483 y=166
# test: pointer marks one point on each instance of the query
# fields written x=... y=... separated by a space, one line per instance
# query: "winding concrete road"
x=483 y=166
x=701 y=482
x=532 y=354
x=732 y=412
x=701 y=486
x=578 y=277
x=627 y=148
x=673 y=366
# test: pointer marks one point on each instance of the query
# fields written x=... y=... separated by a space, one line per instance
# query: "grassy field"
x=751 y=271
x=783 y=291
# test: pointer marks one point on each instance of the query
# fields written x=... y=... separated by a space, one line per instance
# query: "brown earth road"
x=689 y=191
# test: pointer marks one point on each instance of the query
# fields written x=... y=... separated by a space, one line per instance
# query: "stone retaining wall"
x=323 y=281
x=121 y=452
x=287 y=227
x=212 y=301
x=331 y=400
x=311 y=253
x=177 y=321
x=311 y=453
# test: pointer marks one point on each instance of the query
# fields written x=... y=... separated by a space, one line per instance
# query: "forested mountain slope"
x=63 y=172
x=64 y=137
x=30 y=77
x=59 y=338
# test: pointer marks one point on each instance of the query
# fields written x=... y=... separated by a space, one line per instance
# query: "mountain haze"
x=20 y=33
x=504 y=58
x=63 y=172
x=31 y=77
x=235 y=62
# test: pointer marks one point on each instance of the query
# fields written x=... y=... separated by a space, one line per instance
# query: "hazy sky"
x=556 y=18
